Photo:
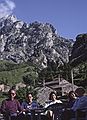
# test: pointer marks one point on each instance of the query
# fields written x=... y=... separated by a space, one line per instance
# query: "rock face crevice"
x=79 y=51
x=36 y=42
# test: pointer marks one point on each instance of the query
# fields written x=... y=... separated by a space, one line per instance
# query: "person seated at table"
x=52 y=100
x=66 y=115
x=71 y=99
x=81 y=101
x=11 y=106
x=29 y=103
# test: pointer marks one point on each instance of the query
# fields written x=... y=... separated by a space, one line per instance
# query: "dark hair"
x=81 y=90
x=52 y=94
x=69 y=95
x=9 y=92
x=28 y=94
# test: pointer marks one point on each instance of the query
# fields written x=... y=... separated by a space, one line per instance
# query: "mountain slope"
x=11 y=73
x=36 y=42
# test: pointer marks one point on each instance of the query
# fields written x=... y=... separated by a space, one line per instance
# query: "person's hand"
x=7 y=112
x=24 y=110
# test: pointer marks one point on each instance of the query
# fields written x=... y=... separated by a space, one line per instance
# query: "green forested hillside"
x=11 y=73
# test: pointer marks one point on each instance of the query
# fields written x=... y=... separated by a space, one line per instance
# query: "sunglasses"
x=12 y=93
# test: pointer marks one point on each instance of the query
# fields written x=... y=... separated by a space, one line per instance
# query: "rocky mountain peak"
x=36 y=42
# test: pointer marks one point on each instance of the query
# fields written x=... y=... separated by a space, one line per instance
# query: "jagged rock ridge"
x=79 y=51
x=36 y=42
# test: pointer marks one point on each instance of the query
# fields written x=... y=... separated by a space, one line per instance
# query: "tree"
x=31 y=78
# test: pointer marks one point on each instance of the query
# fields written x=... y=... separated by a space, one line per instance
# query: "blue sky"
x=67 y=16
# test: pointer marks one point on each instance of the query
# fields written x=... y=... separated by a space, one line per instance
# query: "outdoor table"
x=36 y=113
x=57 y=109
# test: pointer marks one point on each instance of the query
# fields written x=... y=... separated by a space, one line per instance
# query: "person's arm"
x=34 y=105
x=82 y=102
x=76 y=105
x=24 y=107
x=4 y=110
x=48 y=103
x=19 y=108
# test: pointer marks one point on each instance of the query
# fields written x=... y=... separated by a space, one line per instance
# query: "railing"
x=80 y=114
x=36 y=114
x=32 y=114
x=58 y=110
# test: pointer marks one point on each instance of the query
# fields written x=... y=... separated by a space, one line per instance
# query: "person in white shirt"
x=52 y=100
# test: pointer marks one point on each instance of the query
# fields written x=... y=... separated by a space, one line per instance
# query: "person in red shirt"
x=11 y=106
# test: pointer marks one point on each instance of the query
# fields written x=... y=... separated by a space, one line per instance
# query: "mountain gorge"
x=36 y=42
